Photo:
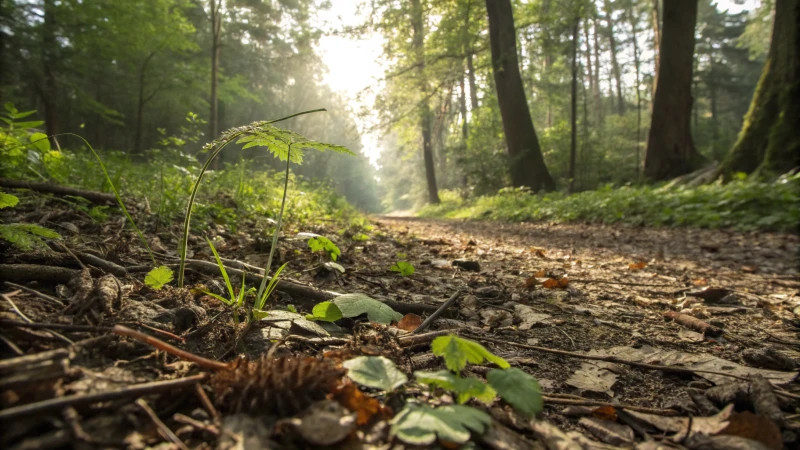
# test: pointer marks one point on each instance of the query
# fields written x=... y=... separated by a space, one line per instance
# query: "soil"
x=592 y=292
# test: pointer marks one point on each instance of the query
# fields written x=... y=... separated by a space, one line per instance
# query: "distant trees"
x=770 y=138
x=670 y=149
x=527 y=165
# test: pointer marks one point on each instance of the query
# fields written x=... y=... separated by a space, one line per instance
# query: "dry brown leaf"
x=700 y=282
x=409 y=322
x=540 y=274
x=757 y=428
x=749 y=269
x=635 y=267
x=606 y=412
x=563 y=282
x=365 y=407
x=531 y=282
x=538 y=252
x=550 y=283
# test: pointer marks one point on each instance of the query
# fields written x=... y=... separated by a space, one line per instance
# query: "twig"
x=37 y=272
x=84 y=399
x=207 y=402
x=54 y=326
x=417 y=339
x=96 y=197
x=41 y=295
x=7 y=297
x=427 y=322
x=180 y=418
x=174 y=351
x=163 y=429
x=587 y=402
x=107 y=266
x=11 y=345
x=69 y=252
x=164 y=333
x=624 y=283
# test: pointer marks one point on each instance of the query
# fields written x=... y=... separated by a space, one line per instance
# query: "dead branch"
x=49 y=188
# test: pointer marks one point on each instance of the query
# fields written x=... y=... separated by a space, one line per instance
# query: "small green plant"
x=321 y=243
x=158 y=277
x=326 y=312
x=24 y=236
x=233 y=301
x=404 y=268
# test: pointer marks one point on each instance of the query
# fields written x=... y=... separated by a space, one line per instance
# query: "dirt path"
x=599 y=338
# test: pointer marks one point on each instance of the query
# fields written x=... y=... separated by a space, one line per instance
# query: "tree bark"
x=670 y=149
x=656 y=44
x=770 y=138
x=50 y=92
x=462 y=104
x=527 y=164
x=615 y=69
x=137 y=146
x=418 y=42
x=216 y=35
x=636 y=64
x=598 y=94
x=574 y=108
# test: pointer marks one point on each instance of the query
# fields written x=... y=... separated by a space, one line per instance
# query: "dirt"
x=612 y=286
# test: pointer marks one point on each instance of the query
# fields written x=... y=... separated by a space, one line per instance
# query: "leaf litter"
x=578 y=312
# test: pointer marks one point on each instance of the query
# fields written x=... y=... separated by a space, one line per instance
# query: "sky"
x=354 y=64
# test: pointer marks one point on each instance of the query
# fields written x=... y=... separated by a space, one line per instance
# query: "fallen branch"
x=35 y=272
x=93 y=196
x=59 y=403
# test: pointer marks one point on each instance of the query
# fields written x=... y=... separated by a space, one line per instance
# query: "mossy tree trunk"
x=670 y=149
x=770 y=138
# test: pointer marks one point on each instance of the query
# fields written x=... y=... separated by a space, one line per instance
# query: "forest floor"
x=615 y=372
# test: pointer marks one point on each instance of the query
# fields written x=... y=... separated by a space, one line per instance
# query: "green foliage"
x=422 y=425
x=326 y=312
x=353 y=305
x=404 y=268
x=360 y=237
x=27 y=237
x=279 y=142
x=321 y=243
x=8 y=200
x=158 y=277
x=741 y=204
x=457 y=352
x=518 y=389
x=270 y=287
x=376 y=372
x=465 y=387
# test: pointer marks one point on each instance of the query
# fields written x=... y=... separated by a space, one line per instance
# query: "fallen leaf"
x=700 y=282
x=550 y=283
x=606 y=412
x=635 y=267
x=540 y=274
x=749 y=269
x=563 y=282
x=365 y=407
x=531 y=282
x=409 y=322
x=756 y=428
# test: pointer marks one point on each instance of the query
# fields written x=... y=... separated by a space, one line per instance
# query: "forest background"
x=124 y=75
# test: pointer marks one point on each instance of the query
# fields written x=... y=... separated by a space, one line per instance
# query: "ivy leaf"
x=376 y=372
x=353 y=305
x=158 y=277
x=518 y=389
x=8 y=200
x=40 y=141
x=466 y=387
x=325 y=311
x=457 y=352
x=404 y=268
x=421 y=425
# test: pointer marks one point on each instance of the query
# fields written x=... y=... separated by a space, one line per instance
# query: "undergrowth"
x=742 y=204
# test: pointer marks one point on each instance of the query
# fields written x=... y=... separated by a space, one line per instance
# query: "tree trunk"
x=137 y=142
x=615 y=70
x=599 y=95
x=712 y=97
x=216 y=35
x=50 y=92
x=473 y=85
x=574 y=107
x=656 y=45
x=636 y=65
x=527 y=164
x=588 y=55
x=418 y=41
x=770 y=138
x=670 y=150
x=462 y=104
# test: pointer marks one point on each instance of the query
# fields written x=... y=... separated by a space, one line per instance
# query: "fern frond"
x=27 y=237
x=277 y=141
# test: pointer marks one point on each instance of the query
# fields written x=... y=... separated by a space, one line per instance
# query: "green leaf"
x=8 y=200
x=361 y=237
x=465 y=387
x=41 y=142
x=27 y=237
x=277 y=141
x=421 y=425
x=353 y=305
x=376 y=372
x=404 y=268
x=26 y=125
x=518 y=389
x=158 y=277
x=457 y=352
x=321 y=243
x=291 y=308
x=222 y=270
x=325 y=311
x=402 y=255
x=21 y=115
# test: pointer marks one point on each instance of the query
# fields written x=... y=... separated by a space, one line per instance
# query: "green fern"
x=27 y=237
x=8 y=200
x=277 y=140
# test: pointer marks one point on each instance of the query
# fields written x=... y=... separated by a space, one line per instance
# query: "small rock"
x=472 y=266
x=489 y=291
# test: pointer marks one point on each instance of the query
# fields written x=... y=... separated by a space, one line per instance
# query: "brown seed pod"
x=283 y=386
